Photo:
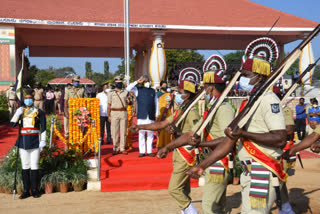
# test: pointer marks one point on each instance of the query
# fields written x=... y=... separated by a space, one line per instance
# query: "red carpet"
x=8 y=137
x=129 y=172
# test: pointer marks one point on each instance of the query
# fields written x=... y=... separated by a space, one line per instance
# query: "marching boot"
x=26 y=184
x=35 y=183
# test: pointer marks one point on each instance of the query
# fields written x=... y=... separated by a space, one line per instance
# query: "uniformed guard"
x=262 y=138
x=74 y=92
x=12 y=100
x=117 y=109
x=183 y=157
x=57 y=97
x=217 y=175
x=30 y=142
x=39 y=96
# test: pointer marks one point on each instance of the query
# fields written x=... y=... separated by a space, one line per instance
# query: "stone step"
x=92 y=163
x=94 y=186
x=92 y=174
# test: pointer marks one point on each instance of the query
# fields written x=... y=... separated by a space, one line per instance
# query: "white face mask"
x=147 y=84
x=106 y=90
x=245 y=84
x=12 y=88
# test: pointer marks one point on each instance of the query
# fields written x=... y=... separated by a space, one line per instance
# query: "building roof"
x=95 y=28
x=65 y=81
x=227 y=13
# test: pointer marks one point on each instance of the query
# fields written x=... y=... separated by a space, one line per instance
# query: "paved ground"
x=304 y=196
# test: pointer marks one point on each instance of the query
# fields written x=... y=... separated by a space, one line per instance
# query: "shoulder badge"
x=275 y=108
x=167 y=98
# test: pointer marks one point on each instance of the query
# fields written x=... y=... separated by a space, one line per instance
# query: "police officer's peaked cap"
x=118 y=79
x=76 y=78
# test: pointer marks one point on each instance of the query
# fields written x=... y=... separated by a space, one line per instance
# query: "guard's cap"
x=259 y=55
x=214 y=70
x=76 y=78
x=118 y=79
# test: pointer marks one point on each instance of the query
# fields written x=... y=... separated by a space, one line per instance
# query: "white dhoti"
x=142 y=134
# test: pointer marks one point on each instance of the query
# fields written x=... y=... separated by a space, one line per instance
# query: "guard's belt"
x=118 y=109
x=30 y=131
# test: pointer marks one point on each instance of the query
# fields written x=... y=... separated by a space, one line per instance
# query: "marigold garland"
x=76 y=138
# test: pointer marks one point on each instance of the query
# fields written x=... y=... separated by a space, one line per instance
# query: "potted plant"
x=78 y=179
x=63 y=179
x=2 y=182
x=47 y=183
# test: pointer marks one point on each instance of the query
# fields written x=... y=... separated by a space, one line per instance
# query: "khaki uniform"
x=12 y=96
x=179 y=185
x=317 y=130
x=119 y=118
x=202 y=105
x=38 y=98
x=71 y=93
x=288 y=116
x=268 y=116
x=214 y=193
x=57 y=96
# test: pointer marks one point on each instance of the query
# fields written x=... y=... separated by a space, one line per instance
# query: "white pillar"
x=157 y=64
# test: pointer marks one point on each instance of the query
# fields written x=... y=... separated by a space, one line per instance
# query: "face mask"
x=119 y=85
x=28 y=102
x=76 y=84
x=315 y=106
x=178 y=99
x=244 y=84
x=208 y=97
x=106 y=90
x=301 y=103
x=12 y=88
x=147 y=84
x=164 y=88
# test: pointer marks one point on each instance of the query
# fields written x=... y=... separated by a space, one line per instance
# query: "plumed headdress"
x=214 y=70
x=259 y=55
x=189 y=78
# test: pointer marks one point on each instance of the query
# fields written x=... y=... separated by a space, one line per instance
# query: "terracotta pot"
x=63 y=187
x=236 y=181
x=77 y=187
x=48 y=188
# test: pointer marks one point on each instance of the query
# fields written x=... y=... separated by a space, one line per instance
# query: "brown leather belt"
x=37 y=100
x=118 y=109
x=12 y=99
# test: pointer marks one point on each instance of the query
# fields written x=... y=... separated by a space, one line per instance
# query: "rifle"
x=257 y=96
x=187 y=107
x=296 y=84
x=213 y=109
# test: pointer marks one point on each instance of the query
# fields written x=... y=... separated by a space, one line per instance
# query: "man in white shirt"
x=147 y=104
x=103 y=97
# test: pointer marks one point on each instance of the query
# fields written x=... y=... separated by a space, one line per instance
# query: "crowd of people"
x=262 y=144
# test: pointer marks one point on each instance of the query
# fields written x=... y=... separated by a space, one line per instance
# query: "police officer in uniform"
x=263 y=137
x=74 y=92
x=183 y=157
x=12 y=100
x=39 y=96
x=118 y=115
x=30 y=142
x=216 y=175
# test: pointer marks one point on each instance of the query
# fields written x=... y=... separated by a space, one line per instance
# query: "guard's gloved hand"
x=42 y=144
x=19 y=112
